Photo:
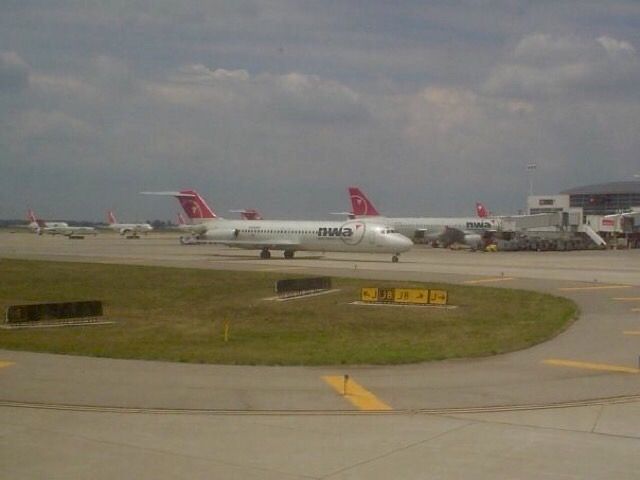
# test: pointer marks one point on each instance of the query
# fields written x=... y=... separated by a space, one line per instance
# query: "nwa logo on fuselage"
x=349 y=233
x=478 y=225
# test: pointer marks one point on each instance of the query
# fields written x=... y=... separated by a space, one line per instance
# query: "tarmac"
x=567 y=408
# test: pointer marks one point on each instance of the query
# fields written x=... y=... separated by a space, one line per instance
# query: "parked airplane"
x=289 y=235
x=35 y=224
x=442 y=231
x=248 y=214
x=58 y=228
x=131 y=229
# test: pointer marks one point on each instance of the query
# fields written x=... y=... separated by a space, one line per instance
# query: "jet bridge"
x=561 y=230
x=519 y=223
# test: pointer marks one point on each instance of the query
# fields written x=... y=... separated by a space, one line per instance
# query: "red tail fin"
x=360 y=204
x=194 y=205
x=111 y=218
x=481 y=211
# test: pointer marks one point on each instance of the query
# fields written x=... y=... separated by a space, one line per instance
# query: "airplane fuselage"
x=351 y=236
x=131 y=228
x=430 y=228
x=68 y=231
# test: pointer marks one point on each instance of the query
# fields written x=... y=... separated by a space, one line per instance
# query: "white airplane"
x=131 y=229
x=442 y=231
x=289 y=236
x=36 y=225
x=58 y=228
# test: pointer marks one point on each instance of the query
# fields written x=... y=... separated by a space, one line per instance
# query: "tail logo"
x=361 y=207
x=194 y=209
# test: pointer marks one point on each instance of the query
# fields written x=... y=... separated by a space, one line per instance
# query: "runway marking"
x=635 y=309
x=5 y=364
x=600 y=287
x=631 y=332
x=488 y=280
x=603 y=367
x=627 y=299
x=356 y=394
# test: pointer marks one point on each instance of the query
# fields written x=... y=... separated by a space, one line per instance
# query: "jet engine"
x=473 y=240
x=451 y=236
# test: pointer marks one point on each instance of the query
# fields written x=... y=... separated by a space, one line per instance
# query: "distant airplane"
x=35 y=224
x=132 y=229
x=442 y=231
x=289 y=236
x=248 y=214
x=58 y=228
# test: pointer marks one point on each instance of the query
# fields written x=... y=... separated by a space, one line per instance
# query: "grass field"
x=179 y=315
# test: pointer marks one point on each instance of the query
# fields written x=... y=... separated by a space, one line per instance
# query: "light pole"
x=531 y=168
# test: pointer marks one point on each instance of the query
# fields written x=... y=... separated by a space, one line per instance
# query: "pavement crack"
x=396 y=450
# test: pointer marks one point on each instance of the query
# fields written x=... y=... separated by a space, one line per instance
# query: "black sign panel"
x=53 y=311
x=292 y=285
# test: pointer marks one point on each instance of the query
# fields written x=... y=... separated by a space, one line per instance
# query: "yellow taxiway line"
x=627 y=299
x=488 y=280
x=603 y=367
x=5 y=364
x=355 y=393
x=635 y=309
x=631 y=332
x=599 y=287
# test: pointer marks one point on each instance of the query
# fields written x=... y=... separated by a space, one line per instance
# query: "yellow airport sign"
x=404 y=296
x=411 y=295
x=438 y=297
x=369 y=294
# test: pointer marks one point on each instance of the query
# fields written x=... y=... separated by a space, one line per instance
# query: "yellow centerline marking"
x=488 y=280
x=603 y=367
x=627 y=299
x=635 y=309
x=5 y=364
x=631 y=332
x=600 y=287
x=356 y=394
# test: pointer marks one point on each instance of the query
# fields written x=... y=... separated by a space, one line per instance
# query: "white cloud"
x=547 y=66
x=14 y=72
x=291 y=97
x=36 y=125
x=615 y=47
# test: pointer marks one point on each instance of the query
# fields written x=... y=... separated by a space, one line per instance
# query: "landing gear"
x=288 y=254
x=265 y=254
x=395 y=259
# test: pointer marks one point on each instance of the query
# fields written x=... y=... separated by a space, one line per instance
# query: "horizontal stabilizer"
x=171 y=194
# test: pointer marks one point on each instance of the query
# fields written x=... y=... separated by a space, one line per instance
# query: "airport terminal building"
x=597 y=207
x=600 y=199
x=605 y=198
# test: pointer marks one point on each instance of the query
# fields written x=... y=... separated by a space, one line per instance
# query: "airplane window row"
x=279 y=231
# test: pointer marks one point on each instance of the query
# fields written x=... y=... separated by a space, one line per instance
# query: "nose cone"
x=401 y=243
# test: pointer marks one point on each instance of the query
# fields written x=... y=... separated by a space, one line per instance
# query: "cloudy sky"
x=280 y=105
